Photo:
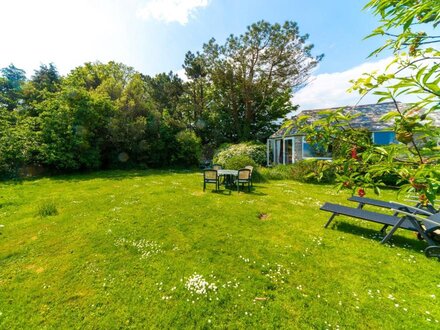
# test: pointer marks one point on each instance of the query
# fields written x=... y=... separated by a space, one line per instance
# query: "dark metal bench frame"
x=418 y=209
x=407 y=221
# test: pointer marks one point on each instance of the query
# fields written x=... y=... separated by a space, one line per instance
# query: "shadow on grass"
x=102 y=174
x=5 y=204
x=224 y=192
x=398 y=240
x=255 y=191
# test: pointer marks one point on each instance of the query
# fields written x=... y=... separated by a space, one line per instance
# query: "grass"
x=47 y=209
x=149 y=249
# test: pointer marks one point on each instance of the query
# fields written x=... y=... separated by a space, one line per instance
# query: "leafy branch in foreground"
x=413 y=164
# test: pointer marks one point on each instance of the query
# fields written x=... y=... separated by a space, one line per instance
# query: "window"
x=384 y=138
x=288 y=145
x=314 y=151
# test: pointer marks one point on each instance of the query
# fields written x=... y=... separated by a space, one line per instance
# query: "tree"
x=196 y=101
x=11 y=83
x=131 y=127
x=45 y=81
x=176 y=145
x=46 y=78
x=166 y=90
x=414 y=71
x=240 y=88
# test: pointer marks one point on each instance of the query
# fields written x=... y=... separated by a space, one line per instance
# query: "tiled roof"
x=368 y=117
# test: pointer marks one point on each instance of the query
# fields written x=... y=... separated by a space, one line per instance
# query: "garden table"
x=229 y=176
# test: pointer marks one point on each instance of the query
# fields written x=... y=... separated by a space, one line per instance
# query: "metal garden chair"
x=251 y=168
x=211 y=176
x=243 y=177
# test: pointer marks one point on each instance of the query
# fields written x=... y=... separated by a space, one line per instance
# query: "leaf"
x=376 y=190
x=408 y=23
x=420 y=73
x=385 y=98
x=382 y=93
x=390 y=115
x=434 y=69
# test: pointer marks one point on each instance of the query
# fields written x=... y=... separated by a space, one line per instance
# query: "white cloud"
x=329 y=90
x=182 y=74
x=171 y=10
x=66 y=32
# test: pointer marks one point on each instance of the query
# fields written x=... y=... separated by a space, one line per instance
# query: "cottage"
x=288 y=145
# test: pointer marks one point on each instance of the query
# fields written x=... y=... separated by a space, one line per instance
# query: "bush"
x=279 y=172
x=254 y=151
x=308 y=171
x=189 y=149
x=314 y=171
x=238 y=162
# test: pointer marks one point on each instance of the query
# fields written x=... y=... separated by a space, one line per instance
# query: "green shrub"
x=314 y=171
x=47 y=209
x=189 y=149
x=255 y=151
x=238 y=162
x=279 y=172
x=309 y=171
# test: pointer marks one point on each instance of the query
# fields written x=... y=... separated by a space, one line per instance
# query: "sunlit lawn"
x=151 y=249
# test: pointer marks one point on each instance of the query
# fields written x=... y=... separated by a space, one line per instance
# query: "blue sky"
x=336 y=28
x=154 y=35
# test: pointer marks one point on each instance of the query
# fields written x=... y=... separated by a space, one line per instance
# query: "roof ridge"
x=351 y=106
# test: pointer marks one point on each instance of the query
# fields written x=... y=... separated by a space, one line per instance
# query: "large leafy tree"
x=72 y=129
x=166 y=89
x=241 y=87
x=132 y=121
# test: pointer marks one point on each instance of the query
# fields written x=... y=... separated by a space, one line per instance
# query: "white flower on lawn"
x=197 y=284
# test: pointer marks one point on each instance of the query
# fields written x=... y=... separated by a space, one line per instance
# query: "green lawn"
x=151 y=249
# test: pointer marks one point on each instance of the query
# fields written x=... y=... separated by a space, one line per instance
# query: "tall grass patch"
x=47 y=209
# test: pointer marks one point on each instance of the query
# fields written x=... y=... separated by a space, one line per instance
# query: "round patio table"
x=229 y=176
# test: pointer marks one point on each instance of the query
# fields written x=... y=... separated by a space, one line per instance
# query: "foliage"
x=166 y=91
x=255 y=151
x=189 y=149
x=46 y=78
x=238 y=162
x=313 y=171
x=12 y=142
x=277 y=172
x=104 y=115
x=309 y=171
x=413 y=163
x=239 y=89
x=100 y=115
x=11 y=83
